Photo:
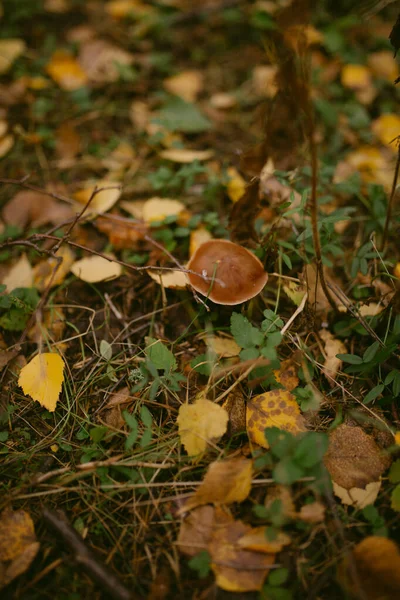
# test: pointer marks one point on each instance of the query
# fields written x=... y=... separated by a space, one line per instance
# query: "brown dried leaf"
x=18 y=545
x=312 y=513
x=358 y=497
x=44 y=272
x=36 y=209
x=68 y=142
x=187 y=84
x=20 y=275
x=196 y=530
x=287 y=375
x=333 y=347
x=235 y=406
x=353 y=458
x=98 y=60
x=256 y=540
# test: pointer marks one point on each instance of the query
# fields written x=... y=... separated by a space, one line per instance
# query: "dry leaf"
x=35 y=209
x=6 y=143
x=187 y=85
x=68 y=143
x=122 y=233
x=236 y=184
x=264 y=80
x=235 y=406
x=44 y=273
x=174 y=280
x=387 y=129
x=358 y=497
x=66 y=71
x=197 y=237
x=383 y=65
x=99 y=60
x=10 y=50
x=201 y=423
x=223 y=101
x=104 y=199
x=20 y=275
x=118 y=9
x=42 y=379
x=356 y=77
x=223 y=347
x=196 y=530
x=284 y=494
x=370 y=310
x=51 y=327
x=225 y=482
x=184 y=155
x=157 y=209
x=235 y=569
x=276 y=408
x=332 y=364
x=294 y=291
x=376 y=562
x=312 y=513
x=371 y=164
x=353 y=458
x=255 y=539
x=96 y=268
x=18 y=544
x=133 y=207
x=287 y=375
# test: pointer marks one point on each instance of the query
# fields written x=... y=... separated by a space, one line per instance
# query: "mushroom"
x=227 y=272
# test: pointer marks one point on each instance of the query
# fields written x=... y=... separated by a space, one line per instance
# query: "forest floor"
x=155 y=444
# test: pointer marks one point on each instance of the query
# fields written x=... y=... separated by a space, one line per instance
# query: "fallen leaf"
x=353 y=458
x=276 y=408
x=6 y=143
x=264 y=80
x=223 y=346
x=18 y=544
x=283 y=494
x=376 y=562
x=294 y=291
x=387 y=129
x=312 y=513
x=10 y=50
x=371 y=164
x=96 y=268
x=383 y=65
x=287 y=375
x=42 y=379
x=256 y=540
x=223 y=101
x=196 y=530
x=157 y=209
x=139 y=114
x=184 y=155
x=187 y=84
x=332 y=364
x=105 y=195
x=236 y=184
x=99 y=60
x=356 y=77
x=197 y=237
x=51 y=327
x=68 y=142
x=174 y=280
x=225 y=482
x=118 y=9
x=20 y=275
x=44 y=273
x=66 y=71
x=370 y=310
x=122 y=233
x=133 y=207
x=235 y=406
x=358 y=497
x=200 y=423
x=236 y=569
x=35 y=209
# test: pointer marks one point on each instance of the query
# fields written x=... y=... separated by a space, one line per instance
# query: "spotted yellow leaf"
x=42 y=379
x=277 y=408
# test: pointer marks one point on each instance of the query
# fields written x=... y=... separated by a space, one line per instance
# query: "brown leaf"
x=235 y=406
x=196 y=530
x=18 y=545
x=376 y=563
x=98 y=59
x=35 y=209
x=236 y=569
x=226 y=481
x=256 y=540
x=333 y=347
x=68 y=142
x=312 y=513
x=287 y=375
x=353 y=458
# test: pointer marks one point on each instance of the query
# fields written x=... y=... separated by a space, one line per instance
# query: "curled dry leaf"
x=358 y=497
x=276 y=408
x=20 y=275
x=104 y=193
x=157 y=209
x=96 y=268
x=18 y=544
x=353 y=458
x=35 y=209
x=65 y=70
x=236 y=569
x=42 y=379
x=196 y=530
x=45 y=273
x=175 y=280
x=201 y=423
x=333 y=347
x=225 y=482
x=187 y=84
x=184 y=155
x=376 y=561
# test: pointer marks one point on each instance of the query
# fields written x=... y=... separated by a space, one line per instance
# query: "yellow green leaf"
x=42 y=379
x=200 y=423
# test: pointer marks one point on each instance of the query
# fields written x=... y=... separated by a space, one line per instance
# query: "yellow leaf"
x=6 y=143
x=103 y=200
x=356 y=77
x=157 y=209
x=201 y=423
x=396 y=270
x=257 y=541
x=397 y=438
x=236 y=184
x=358 y=497
x=43 y=271
x=277 y=408
x=66 y=71
x=175 y=280
x=197 y=237
x=118 y=9
x=20 y=275
x=294 y=291
x=18 y=544
x=187 y=84
x=370 y=310
x=185 y=155
x=196 y=530
x=383 y=65
x=10 y=50
x=96 y=268
x=287 y=375
x=225 y=482
x=387 y=128
x=223 y=346
x=42 y=379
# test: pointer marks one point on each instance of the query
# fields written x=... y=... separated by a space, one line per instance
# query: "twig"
x=298 y=310
x=391 y=198
x=85 y=558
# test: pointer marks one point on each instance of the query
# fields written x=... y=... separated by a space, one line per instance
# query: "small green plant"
x=133 y=424
x=166 y=178
x=273 y=589
x=378 y=525
x=394 y=477
x=257 y=342
x=16 y=307
x=201 y=563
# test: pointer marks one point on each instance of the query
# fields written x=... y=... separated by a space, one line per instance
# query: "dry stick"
x=85 y=558
x=391 y=199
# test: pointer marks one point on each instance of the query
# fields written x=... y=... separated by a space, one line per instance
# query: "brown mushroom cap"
x=238 y=273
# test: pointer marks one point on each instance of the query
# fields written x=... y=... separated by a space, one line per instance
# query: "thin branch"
x=391 y=199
